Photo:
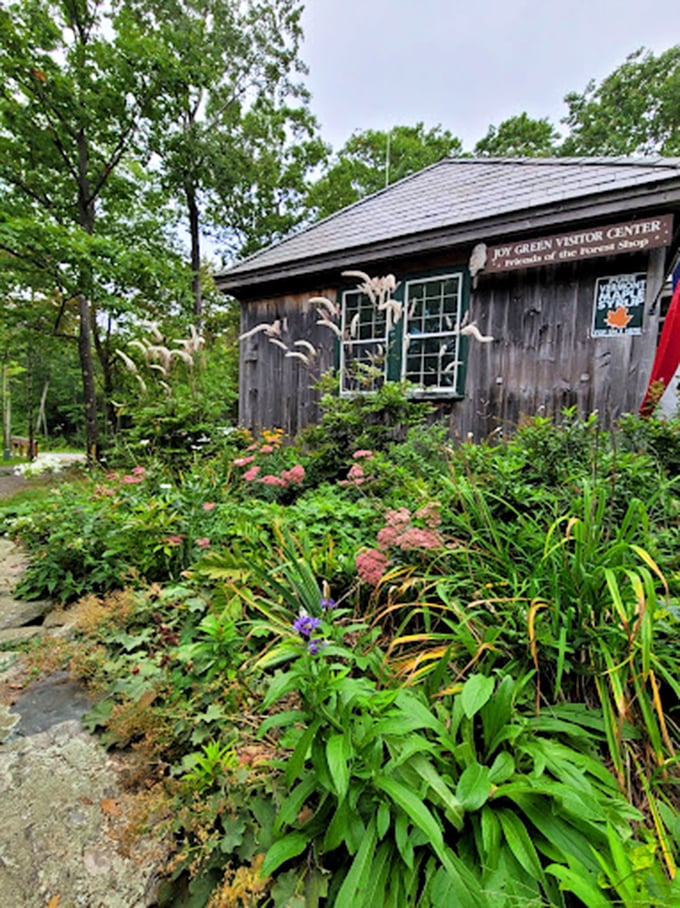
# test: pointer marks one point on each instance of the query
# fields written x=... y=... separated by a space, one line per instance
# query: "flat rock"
x=18 y=613
x=18 y=634
x=60 y=838
x=54 y=699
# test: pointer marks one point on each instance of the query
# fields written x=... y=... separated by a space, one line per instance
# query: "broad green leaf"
x=283 y=850
x=293 y=802
x=579 y=884
x=337 y=755
x=522 y=847
x=476 y=692
x=299 y=755
x=402 y=828
x=474 y=786
x=413 y=806
x=288 y=717
x=382 y=822
x=501 y=768
x=427 y=772
x=491 y=835
x=281 y=684
x=351 y=894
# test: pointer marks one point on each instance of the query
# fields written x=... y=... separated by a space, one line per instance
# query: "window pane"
x=432 y=361
x=431 y=339
x=364 y=366
x=364 y=332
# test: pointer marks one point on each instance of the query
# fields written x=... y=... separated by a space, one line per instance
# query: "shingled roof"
x=459 y=200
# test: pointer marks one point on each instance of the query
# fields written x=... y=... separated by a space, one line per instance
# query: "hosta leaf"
x=476 y=692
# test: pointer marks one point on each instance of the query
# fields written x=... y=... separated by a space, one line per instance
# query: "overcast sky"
x=465 y=65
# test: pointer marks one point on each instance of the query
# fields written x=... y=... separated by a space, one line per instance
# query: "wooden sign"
x=619 y=305
x=584 y=243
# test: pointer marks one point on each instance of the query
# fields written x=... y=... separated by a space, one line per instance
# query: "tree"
x=371 y=160
x=634 y=110
x=235 y=138
x=79 y=82
x=519 y=136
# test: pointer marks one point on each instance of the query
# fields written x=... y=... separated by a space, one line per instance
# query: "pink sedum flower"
x=271 y=480
x=138 y=471
x=203 y=543
x=243 y=461
x=415 y=538
x=266 y=449
x=251 y=474
x=398 y=519
x=295 y=475
x=387 y=537
x=209 y=505
x=371 y=565
x=132 y=480
x=174 y=539
x=362 y=455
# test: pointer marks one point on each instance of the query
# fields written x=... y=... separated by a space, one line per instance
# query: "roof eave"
x=485 y=229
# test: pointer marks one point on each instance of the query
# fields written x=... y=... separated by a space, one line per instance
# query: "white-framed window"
x=363 y=348
x=431 y=356
x=423 y=346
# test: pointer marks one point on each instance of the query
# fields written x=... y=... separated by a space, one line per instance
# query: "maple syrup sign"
x=585 y=243
x=619 y=305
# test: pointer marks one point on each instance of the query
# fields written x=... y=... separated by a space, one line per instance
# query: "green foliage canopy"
x=372 y=159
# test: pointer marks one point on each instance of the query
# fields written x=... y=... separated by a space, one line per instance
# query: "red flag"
x=667 y=356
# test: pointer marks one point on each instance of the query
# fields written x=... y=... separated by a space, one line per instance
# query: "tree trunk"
x=86 y=213
x=6 y=414
x=87 y=372
x=194 y=232
x=42 y=413
x=103 y=349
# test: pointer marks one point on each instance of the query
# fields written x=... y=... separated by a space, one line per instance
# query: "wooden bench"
x=21 y=446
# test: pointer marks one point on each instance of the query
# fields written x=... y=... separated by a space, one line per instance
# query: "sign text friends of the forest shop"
x=585 y=243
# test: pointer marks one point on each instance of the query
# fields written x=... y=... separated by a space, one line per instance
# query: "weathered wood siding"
x=275 y=390
x=542 y=360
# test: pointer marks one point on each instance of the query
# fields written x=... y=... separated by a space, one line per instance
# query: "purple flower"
x=327 y=604
x=316 y=644
x=305 y=624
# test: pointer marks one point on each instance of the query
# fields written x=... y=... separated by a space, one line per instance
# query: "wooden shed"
x=522 y=286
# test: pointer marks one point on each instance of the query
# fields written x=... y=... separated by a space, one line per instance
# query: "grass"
x=12 y=461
